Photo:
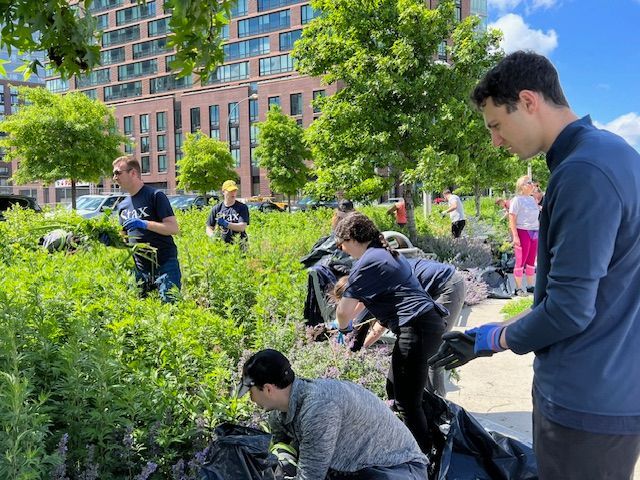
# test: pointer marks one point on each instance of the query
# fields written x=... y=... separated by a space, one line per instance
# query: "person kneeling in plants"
x=339 y=429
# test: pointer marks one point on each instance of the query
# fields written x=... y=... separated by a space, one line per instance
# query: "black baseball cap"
x=345 y=206
x=266 y=366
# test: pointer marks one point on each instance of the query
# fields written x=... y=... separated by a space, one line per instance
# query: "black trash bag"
x=497 y=282
x=239 y=453
x=468 y=451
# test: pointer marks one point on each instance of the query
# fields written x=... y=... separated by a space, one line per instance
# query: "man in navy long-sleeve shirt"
x=584 y=326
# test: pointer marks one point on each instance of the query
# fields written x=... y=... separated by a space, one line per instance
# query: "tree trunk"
x=411 y=218
x=289 y=202
x=73 y=193
x=477 y=198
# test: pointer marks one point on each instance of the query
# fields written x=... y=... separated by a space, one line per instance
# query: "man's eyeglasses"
x=116 y=173
x=340 y=241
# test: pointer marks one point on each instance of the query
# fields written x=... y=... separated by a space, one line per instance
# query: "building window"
x=144 y=144
x=128 y=125
x=271 y=4
x=273 y=101
x=308 y=13
x=177 y=118
x=442 y=50
x=234 y=136
x=135 y=13
x=195 y=119
x=296 y=103
x=288 y=38
x=273 y=65
x=122 y=35
x=161 y=141
x=239 y=9
x=102 y=21
x=229 y=73
x=158 y=27
x=234 y=115
x=123 y=90
x=316 y=95
x=246 y=48
x=253 y=135
x=215 y=133
x=235 y=153
x=152 y=47
x=137 y=69
x=144 y=123
x=145 y=167
x=169 y=82
x=264 y=23
x=178 y=141
x=162 y=163
x=214 y=117
x=161 y=121
x=253 y=110
x=167 y=62
x=128 y=148
x=91 y=93
x=57 y=85
x=109 y=57
x=224 y=33
x=458 y=10
x=100 y=5
x=96 y=77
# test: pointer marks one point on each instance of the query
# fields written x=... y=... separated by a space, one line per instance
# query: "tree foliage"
x=60 y=137
x=206 y=164
x=384 y=52
x=282 y=151
x=68 y=33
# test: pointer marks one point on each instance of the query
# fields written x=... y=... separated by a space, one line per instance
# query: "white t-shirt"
x=458 y=213
x=526 y=211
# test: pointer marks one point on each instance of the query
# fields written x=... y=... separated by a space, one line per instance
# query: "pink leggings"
x=526 y=253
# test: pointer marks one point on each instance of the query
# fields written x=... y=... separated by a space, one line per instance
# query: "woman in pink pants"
x=524 y=224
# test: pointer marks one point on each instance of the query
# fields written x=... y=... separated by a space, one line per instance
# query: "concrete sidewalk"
x=497 y=390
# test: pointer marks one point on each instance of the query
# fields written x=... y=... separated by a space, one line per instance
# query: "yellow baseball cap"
x=229 y=186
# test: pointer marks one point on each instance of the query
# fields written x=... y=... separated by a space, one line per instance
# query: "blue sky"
x=595 y=46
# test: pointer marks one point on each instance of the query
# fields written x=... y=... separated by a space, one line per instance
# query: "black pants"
x=404 y=471
x=457 y=227
x=415 y=343
x=563 y=453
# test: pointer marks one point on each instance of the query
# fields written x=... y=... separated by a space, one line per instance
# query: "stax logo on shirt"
x=231 y=217
x=135 y=213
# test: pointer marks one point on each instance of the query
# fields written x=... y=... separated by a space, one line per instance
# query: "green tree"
x=56 y=137
x=282 y=151
x=206 y=164
x=385 y=54
x=68 y=33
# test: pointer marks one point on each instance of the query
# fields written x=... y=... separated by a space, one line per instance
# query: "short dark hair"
x=266 y=366
x=516 y=72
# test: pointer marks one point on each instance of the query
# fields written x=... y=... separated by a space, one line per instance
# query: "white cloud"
x=503 y=5
x=519 y=36
x=627 y=126
x=535 y=4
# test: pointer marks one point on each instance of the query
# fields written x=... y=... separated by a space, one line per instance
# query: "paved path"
x=497 y=390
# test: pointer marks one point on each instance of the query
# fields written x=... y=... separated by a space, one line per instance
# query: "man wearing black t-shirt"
x=147 y=217
x=230 y=216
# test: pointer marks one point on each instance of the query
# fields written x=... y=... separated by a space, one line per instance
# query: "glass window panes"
x=152 y=47
x=271 y=4
x=239 y=8
x=128 y=125
x=214 y=116
x=96 y=77
x=102 y=21
x=296 y=103
x=177 y=118
x=234 y=114
x=253 y=110
x=246 y=48
x=278 y=64
x=234 y=136
x=100 y=5
x=273 y=101
x=144 y=144
x=317 y=94
x=215 y=133
x=137 y=69
x=264 y=23
x=144 y=123
x=161 y=142
x=158 y=27
x=135 y=13
x=167 y=62
x=57 y=85
x=235 y=153
x=169 y=82
x=253 y=134
x=162 y=163
x=121 y=35
x=288 y=38
x=229 y=73
x=161 y=121
x=178 y=140
x=123 y=90
x=91 y=93
x=145 y=167
x=195 y=119
x=308 y=13
x=442 y=50
x=115 y=55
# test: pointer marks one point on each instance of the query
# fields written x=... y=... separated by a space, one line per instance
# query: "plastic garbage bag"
x=239 y=453
x=465 y=450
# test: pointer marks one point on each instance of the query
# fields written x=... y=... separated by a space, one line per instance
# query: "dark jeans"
x=457 y=227
x=404 y=471
x=415 y=343
x=564 y=453
x=167 y=276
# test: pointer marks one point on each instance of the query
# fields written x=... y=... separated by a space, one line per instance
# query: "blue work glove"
x=334 y=326
x=487 y=337
x=222 y=222
x=134 y=224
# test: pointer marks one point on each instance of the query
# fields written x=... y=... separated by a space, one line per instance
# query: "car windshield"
x=181 y=201
x=88 y=202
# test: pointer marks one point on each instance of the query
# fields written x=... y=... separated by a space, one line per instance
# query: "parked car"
x=186 y=202
x=89 y=206
x=308 y=203
x=265 y=205
x=9 y=200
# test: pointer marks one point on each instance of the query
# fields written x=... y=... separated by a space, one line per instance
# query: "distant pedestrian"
x=147 y=217
x=230 y=217
x=399 y=209
x=456 y=213
x=524 y=225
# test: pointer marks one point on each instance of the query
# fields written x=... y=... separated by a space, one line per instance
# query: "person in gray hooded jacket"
x=339 y=429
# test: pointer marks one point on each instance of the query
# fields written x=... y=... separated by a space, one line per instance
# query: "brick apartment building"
x=156 y=110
